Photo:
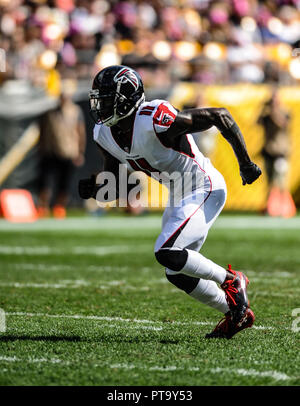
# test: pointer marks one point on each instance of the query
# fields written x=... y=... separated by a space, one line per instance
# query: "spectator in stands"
x=62 y=148
x=205 y=41
x=88 y=35
x=276 y=150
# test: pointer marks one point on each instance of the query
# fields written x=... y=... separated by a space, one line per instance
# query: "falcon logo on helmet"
x=117 y=92
x=127 y=75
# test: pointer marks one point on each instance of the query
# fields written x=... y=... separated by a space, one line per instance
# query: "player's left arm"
x=88 y=188
x=194 y=120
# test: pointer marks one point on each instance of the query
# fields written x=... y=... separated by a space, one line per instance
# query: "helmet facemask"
x=102 y=107
x=109 y=106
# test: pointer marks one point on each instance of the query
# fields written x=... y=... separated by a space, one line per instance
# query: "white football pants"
x=187 y=227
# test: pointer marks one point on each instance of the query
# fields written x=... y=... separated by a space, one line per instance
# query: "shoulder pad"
x=164 y=117
x=96 y=133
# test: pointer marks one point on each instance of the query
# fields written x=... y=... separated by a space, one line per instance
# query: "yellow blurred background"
x=245 y=102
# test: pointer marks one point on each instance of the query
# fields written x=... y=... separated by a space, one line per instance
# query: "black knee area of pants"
x=183 y=282
x=172 y=259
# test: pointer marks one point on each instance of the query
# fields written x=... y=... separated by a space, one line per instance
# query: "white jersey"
x=150 y=152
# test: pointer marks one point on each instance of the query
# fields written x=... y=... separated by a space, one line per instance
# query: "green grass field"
x=86 y=303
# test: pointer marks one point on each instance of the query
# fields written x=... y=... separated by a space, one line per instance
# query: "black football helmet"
x=117 y=91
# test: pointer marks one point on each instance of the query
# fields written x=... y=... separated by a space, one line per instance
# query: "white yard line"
x=130 y=327
x=272 y=294
x=257 y=223
x=275 y=375
x=19 y=266
x=255 y=293
x=106 y=318
x=34 y=360
x=86 y=224
x=120 y=319
x=74 y=284
x=277 y=274
x=106 y=285
x=266 y=280
x=88 y=250
x=124 y=224
x=254 y=275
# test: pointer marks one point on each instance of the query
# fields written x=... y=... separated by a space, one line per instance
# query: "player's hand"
x=249 y=173
x=87 y=187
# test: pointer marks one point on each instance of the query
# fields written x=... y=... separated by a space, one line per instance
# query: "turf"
x=87 y=304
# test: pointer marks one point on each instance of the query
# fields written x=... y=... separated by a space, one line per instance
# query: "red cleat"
x=227 y=329
x=236 y=294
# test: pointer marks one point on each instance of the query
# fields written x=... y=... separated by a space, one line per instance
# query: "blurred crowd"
x=208 y=41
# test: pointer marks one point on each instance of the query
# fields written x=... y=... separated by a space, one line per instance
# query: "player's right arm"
x=88 y=188
x=194 y=120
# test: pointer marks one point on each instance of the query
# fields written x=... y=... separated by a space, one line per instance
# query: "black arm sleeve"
x=110 y=163
x=235 y=138
x=195 y=120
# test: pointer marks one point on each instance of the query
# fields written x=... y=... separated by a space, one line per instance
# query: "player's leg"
x=205 y=291
x=181 y=245
x=187 y=225
x=175 y=255
x=178 y=257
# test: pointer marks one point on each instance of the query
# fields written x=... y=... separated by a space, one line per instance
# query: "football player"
x=153 y=137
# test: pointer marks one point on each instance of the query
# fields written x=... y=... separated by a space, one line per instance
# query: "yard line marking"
x=253 y=293
x=265 y=281
x=40 y=267
x=31 y=285
x=60 y=267
x=274 y=294
x=74 y=284
x=46 y=285
x=106 y=318
x=77 y=283
x=255 y=275
x=106 y=285
x=152 y=222
x=276 y=375
x=256 y=222
x=86 y=224
x=164 y=369
x=21 y=250
x=94 y=250
x=139 y=327
x=34 y=360
x=279 y=274
x=89 y=250
x=122 y=366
